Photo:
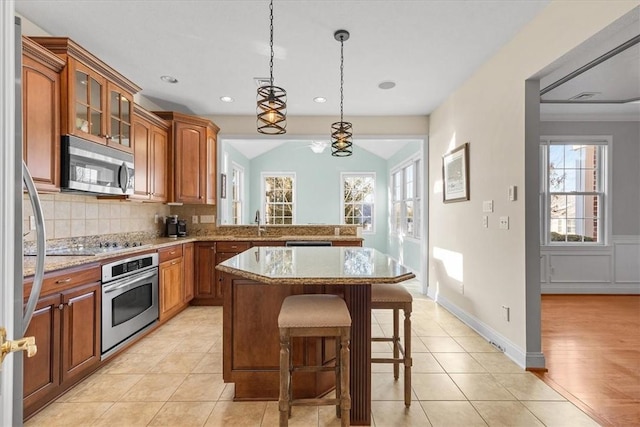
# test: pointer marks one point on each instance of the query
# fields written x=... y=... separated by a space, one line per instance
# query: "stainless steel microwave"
x=94 y=168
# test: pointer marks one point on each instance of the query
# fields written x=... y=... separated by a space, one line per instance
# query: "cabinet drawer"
x=232 y=246
x=172 y=252
x=64 y=279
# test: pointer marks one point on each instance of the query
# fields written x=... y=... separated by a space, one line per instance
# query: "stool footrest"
x=313 y=368
x=315 y=402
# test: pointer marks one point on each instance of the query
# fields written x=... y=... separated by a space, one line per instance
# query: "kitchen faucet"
x=257 y=221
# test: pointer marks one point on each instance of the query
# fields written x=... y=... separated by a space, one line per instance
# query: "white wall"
x=488 y=111
x=613 y=268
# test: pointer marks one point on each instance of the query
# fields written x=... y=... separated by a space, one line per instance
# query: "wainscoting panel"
x=626 y=252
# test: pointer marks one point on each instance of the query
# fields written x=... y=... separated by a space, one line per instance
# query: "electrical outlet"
x=207 y=219
x=155 y=218
x=194 y=219
x=504 y=222
x=485 y=221
x=32 y=222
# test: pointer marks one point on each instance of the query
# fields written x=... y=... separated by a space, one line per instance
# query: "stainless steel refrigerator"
x=23 y=181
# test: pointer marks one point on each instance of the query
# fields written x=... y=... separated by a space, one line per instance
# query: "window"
x=358 y=196
x=279 y=193
x=573 y=190
x=237 y=193
x=405 y=199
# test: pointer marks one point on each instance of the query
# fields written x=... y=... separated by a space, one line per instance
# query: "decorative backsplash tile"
x=72 y=215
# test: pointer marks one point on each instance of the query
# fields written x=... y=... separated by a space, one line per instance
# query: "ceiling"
x=216 y=48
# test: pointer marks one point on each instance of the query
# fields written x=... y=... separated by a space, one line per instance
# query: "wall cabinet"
x=150 y=147
x=97 y=101
x=192 y=158
x=66 y=326
x=41 y=114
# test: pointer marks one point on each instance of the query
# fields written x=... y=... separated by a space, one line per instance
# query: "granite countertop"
x=316 y=266
x=53 y=263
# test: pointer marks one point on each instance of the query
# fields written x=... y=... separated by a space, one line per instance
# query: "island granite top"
x=316 y=266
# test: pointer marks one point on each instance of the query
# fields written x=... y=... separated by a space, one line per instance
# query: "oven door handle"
x=128 y=282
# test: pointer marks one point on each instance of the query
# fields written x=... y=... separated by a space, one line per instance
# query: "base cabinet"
x=171 y=292
x=188 y=276
x=66 y=326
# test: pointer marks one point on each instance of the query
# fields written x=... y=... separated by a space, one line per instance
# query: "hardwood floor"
x=592 y=348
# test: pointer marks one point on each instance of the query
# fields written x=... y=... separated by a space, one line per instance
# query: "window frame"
x=240 y=192
x=401 y=170
x=604 y=194
x=344 y=175
x=263 y=200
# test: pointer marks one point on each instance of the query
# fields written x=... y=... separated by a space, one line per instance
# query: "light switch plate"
x=485 y=221
x=487 y=206
x=194 y=219
x=207 y=219
x=513 y=193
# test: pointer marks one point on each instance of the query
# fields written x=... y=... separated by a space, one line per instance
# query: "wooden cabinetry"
x=66 y=325
x=150 y=147
x=192 y=158
x=188 y=276
x=41 y=114
x=97 y=101
x=171 y=292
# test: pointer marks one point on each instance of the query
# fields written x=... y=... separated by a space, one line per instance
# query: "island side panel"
x=251 y=342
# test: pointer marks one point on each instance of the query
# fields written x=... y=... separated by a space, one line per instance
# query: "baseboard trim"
x=512 y=351
x=590 y=288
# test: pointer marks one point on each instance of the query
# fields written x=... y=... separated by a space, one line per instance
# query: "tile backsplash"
x=72 y=215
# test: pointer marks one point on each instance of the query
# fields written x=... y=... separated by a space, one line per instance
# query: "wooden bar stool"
x=396 y=297
x=314 y=315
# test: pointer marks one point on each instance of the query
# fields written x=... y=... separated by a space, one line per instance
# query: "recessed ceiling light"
x=169 y=79
x=319 y=99
x=387 y=85
x=226 y=99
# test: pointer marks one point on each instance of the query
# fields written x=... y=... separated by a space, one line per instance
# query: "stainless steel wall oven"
x=129 y=299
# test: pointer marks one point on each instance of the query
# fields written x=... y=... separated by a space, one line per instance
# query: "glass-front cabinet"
x=97 y=101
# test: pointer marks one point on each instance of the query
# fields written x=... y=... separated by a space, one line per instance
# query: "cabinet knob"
x=61 y=307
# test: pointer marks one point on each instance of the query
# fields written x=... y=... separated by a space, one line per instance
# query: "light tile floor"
x=173 y=377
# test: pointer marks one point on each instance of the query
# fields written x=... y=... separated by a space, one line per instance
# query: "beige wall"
x=488 y=111
x=368 y=126
x=68 y=215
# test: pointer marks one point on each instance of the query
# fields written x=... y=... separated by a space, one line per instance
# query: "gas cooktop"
x=92 y=250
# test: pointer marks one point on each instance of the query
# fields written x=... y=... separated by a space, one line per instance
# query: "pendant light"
x=341 y=131
x=272 y=100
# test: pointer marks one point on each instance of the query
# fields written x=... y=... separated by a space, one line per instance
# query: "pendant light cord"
x=341 y=76
x=271 y=42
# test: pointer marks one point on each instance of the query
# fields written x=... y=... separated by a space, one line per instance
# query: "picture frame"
x=455 y=174
x=223 y=186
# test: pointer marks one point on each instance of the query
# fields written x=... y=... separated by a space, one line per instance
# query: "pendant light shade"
x=341 y=132
x=272 y=100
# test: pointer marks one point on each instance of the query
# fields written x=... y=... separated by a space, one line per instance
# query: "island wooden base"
x=251 y=344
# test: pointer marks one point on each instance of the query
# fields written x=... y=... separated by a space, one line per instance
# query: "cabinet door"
x=188 y=276
x=142 y=152
x=41 y=124
x=171 y=295
x=86 y=103
x=190 y=163
x=42 y=371
x=120 y=112
x=205 y=273
x=158 y=164
x=211 y=167
x=220 y=257
x=81 y=331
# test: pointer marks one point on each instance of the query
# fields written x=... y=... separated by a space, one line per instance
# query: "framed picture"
x=455 y=174
x=223 y=186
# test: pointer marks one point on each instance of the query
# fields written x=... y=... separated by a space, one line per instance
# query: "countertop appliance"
x=171 y=226
x=95 y=168
x=182 y=228
x=129 y=299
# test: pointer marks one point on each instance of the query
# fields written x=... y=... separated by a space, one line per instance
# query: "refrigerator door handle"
x=40 y=247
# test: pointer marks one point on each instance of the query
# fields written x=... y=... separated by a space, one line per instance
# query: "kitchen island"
x=255 y=284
